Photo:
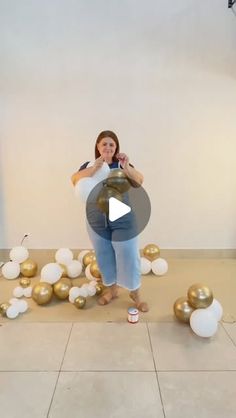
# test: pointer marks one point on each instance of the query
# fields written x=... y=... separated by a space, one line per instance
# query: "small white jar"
x=133 y=315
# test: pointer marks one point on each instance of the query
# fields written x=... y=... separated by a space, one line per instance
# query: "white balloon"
x=159 y=266
x=13 y=300
x=102 y=173
x=85 y=285
x=74 y=292
x=51 y=273
x=64 y=256
x=203 y=323
x=28 y=292
x=11 y=270
x=74 y=269
x=91 y=290
x=18 y=292
x=82 y=254
x=146 y=265
x=71 y=299
x=19 y=254
x=22 y=306
x=83 y=291
x=88 y=274
x=93 y=283
x=216 y=309
x=83 y=187
x=12 y=312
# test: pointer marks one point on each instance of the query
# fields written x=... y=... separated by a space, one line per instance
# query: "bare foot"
x=141 y=306
x=108 y=295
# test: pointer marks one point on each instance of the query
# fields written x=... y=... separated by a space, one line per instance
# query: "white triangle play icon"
x=117 y=209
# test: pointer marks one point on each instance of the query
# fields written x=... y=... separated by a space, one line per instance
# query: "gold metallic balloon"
x=42 y=293
x=200 y=295
x=103 y=198
x=99 y=288
x=118 y=180
x=183 y=309
x=89 y=258
x=25 y=282
x=62 y=287
x=94 y=270
x=28 y=268
x=64 y=270
x=80 y=302
x=3 y=308
x=151 y=252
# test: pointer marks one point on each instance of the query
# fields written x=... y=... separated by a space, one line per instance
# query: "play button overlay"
x=117 y=209
x=115 y=214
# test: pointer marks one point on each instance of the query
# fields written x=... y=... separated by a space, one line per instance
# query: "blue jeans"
x=118 y=261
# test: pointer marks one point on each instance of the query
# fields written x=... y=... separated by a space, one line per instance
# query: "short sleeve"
x=83 y=166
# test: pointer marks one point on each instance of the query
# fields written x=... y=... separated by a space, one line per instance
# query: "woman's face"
x=107 y=148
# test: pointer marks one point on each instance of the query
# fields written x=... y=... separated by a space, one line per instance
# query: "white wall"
x=161 y=74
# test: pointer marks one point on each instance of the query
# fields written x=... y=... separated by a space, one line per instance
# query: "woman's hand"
x=134 y=176
x=97 y=164
x=123 y=159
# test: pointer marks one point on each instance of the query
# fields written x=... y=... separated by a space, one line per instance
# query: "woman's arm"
x=135 y=177
x=87 y=172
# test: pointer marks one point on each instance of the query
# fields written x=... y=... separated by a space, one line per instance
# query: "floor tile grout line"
x=7 y=322
x=121 y=371
x=78 y=370
x=231 y=339
x=198 y=371
x=106 y=371
x=68 y=340
x=156 y=373
x=29 y=371
x=55 y=387
x=59 y=372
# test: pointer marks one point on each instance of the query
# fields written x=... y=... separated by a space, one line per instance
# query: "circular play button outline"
x=126 y=226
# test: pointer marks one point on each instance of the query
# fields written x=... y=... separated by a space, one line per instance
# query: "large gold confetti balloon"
x=118 y=180
x=25 y=282
x=183 y=309
x=89 y=258
x=61 y=288
x=200 y=295
x=42 y=293
x=103 y=198
x=151 y=252
x=99 y=288
x=64 y=270
x=28 y=268
x=80 y=302
x=94 y=270
x=3 y=308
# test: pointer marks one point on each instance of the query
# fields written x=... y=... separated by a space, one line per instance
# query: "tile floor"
x=114 y=370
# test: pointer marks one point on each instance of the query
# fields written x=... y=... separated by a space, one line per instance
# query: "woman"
x=118 y=261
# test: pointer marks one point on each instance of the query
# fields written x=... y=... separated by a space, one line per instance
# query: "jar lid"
x=133 y=311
